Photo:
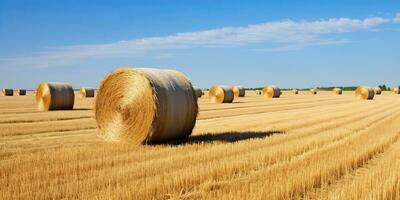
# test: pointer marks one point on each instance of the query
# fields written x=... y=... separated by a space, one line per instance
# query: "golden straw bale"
x=271 y=91
x=363 y=92
x=145 y=105
x=21 y=92
x=198 y=91
x=396 y=90
x=377 y=90
x=313 y=91
x=55 y=96
x=8 y=92
x=337 y=91
x=239 y=91
x=221 y=94
x=87 y=92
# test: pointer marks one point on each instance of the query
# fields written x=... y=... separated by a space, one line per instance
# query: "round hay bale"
x=313 y=91
x=8 y=92
x=337 y=91
x=87 y=92
x=221 y=94
x=271 y=91
x=55 y=96
x=295 y=91
x=145 y=105
x=363 y=92
x=21 y=92
x=198 y=91
x=377 y=90
x=396 y=90
x=259 y=92
x=238 y=91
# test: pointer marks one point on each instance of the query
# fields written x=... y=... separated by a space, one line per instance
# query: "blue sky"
x=286 y=43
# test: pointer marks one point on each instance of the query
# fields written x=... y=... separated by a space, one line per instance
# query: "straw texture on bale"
x=337 y=91
x=377 y=90
x=55 y=96
x=313 y=91
x=198 y=91
x=396 y=90
x=271 y=91
x=21 y=92
x=145 y=105
x=363 y=92
x=295 y=91
x=221 y=94
x=238 y=91
x=8 y=92
x=87 y=92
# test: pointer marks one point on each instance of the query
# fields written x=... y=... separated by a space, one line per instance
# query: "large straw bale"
x=87 y=92
x=377 y=90
x=55 y=96
x=313 y=91
x=337 y=91
x=8 y=92
x=396 y=90
x=21 y=92
x=363 y=92
x=221 y=94
x=145 y=105
x=271 y=91
x=239 y=91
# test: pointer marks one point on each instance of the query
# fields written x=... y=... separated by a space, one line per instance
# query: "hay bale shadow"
x=228 y=137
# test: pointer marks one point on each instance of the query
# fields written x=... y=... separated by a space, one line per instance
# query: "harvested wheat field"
x=300 y=146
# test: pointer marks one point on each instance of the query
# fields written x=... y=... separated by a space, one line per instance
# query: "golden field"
x=296 y=147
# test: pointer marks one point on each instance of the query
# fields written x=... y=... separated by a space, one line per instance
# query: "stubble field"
x=295 y=147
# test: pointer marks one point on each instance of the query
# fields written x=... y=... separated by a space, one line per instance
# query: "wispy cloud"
x=286 y=33
x=397 y=18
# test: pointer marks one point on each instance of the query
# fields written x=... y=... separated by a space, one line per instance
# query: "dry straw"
x=337 y=91
x=144 y=105
x=87 y=92
x=295 y=91
x=221 y=94
x=8 y=92
x=198 y=91
x=377 y=90
x=55 y=96
x=363 y=92
x=239 y=91
x=313 y=91
x=259 y=92
x=21 y=92
x=271 y=91
x=396 y=90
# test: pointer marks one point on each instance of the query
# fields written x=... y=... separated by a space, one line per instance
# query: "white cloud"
x=284 y=33
x=397 y=18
